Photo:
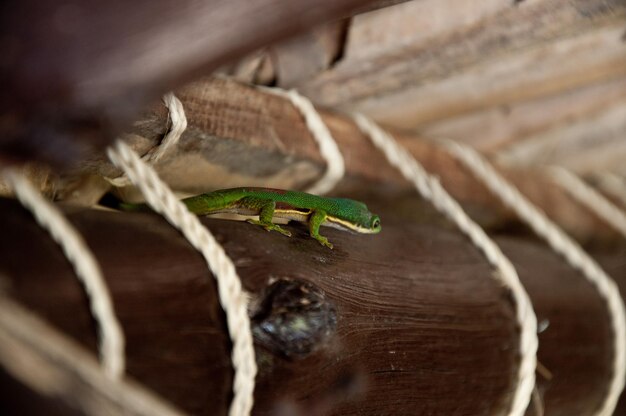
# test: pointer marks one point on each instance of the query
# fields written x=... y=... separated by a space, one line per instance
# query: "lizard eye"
x=376 y=223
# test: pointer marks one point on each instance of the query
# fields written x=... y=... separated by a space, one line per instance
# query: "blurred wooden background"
x=530 y=82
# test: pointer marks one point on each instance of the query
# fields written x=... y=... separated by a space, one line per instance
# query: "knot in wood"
x=293 y=318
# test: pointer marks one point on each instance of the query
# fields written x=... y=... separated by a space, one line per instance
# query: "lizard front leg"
x=266 y=213
x=316 y=219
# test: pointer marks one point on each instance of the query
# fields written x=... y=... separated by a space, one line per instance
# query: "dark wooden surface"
x=74 y=72
x=53 y=374
x=614 y=263
x=420 y=322
x=18 y=397
x=421 y=326
x=575 y=340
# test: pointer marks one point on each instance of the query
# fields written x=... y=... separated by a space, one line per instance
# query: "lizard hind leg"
x=266 y=213
x=315 y=221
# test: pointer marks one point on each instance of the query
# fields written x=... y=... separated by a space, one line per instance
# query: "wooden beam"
x=591 y=144
x=502 y=54
x=408 y=321
x=497 y=129
x=75 y=72
x=241 y=136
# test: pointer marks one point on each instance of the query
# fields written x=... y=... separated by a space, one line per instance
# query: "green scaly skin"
x=291 y=205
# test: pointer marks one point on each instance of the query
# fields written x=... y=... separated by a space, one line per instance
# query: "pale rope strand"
x=329 y=150
x=171 y=139
x=568 y=248
x=590 y=198
x=430 y=188
x=110 y=335
x=231 y=295
x=614 y=185
x=179 y=125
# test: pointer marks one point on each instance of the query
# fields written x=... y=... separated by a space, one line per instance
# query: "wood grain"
x=512 y=54
x=566 y=313
x=591 y=144
x=421 y=325
x=408 y=318
x=500 y=128
x=414 y=24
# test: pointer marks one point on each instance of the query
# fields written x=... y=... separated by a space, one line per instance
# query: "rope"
x=231 y=294
x=590 y=198
x=430 y=188
x=179 y=125
x=613 y=185
x=110 y=335
x=171 y=139
x=565 y=246
x=325 y=141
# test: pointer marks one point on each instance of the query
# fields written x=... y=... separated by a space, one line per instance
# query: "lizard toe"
x=324 y=241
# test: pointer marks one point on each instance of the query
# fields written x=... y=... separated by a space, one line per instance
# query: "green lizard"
x=269 y=204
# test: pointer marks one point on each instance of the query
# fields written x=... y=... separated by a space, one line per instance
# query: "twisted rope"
x=614 y=185
x=566 y=247
x=590 y=198
x=171 y=139
x=430 y=188
x=231 y=295
x=110 y=335
x=335 y=166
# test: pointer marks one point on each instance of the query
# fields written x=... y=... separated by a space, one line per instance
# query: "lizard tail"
x=128 y=207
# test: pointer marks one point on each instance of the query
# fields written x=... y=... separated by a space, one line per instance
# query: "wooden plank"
x=300 y=58
x=511 y=55
x=599 y=55
x=414 y=24
x=495 y=128
x=421 y=326
x=592 y=144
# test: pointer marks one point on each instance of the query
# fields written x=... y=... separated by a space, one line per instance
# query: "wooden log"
x=240 y=136
x=400 y=324
x=75 y=72
x=408 y=321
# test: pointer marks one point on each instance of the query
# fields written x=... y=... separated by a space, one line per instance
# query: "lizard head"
x=374 y=225
x=354 y=216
